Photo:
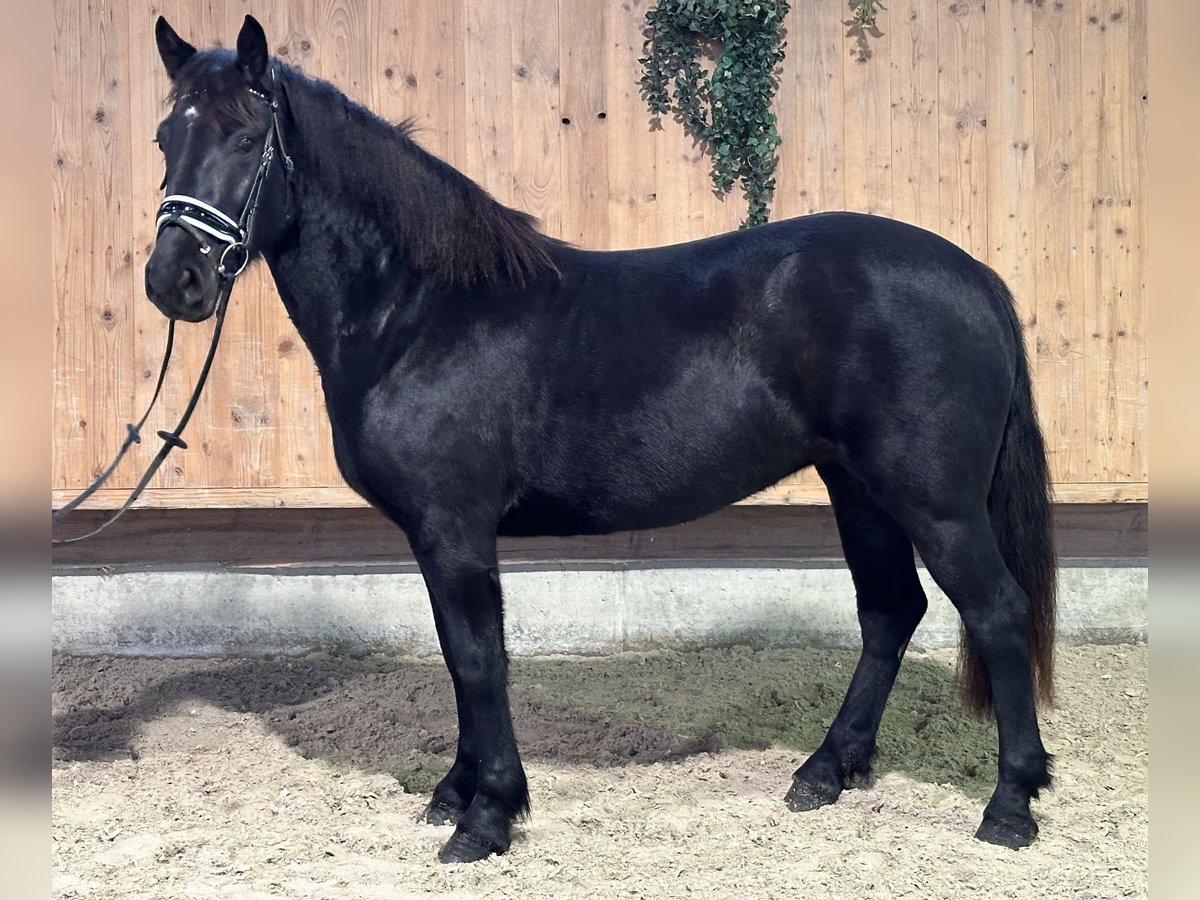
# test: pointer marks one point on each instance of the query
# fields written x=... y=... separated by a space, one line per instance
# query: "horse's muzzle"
x=179 y=282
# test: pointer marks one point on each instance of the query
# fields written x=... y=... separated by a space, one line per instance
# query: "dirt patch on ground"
x=652 y=775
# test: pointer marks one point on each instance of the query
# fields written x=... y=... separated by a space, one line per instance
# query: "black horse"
x=484 y=379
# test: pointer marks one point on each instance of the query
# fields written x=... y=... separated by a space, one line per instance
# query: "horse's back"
x=817 y=306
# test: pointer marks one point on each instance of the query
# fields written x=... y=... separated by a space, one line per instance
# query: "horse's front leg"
x=485 y=790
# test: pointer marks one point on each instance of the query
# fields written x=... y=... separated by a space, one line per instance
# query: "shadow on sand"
x=397 y=716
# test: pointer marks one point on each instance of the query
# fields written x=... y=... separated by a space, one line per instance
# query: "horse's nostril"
x=186 y=277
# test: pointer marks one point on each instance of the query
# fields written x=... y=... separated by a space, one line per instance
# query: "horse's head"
x=226 y=185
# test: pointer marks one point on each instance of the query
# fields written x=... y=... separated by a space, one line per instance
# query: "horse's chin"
x=186 y=312
x=194 y=316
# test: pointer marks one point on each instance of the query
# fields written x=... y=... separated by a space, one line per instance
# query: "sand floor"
x=652 y=775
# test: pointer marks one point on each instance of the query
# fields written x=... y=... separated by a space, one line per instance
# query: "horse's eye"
x=245 y=142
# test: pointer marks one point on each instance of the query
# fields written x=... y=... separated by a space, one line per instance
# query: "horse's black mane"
x=449 y=226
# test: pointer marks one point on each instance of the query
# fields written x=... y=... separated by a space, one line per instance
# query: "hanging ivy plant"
x=730 y=108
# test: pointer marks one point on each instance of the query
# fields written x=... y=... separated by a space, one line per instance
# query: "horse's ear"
x=252 y=52
x=173 y=49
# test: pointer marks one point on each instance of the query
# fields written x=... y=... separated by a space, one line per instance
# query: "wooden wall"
x=1016 y=130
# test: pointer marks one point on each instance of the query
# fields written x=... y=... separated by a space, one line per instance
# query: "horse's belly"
x=650 y=486
x=605 y=513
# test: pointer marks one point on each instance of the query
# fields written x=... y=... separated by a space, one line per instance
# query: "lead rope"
x=170 y=439
x=134 y=435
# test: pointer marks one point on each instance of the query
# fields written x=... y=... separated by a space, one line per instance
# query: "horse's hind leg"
x=890 y=605
x=485 y=790
x=964 y=559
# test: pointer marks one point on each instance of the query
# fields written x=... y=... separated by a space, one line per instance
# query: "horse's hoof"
x=466 y=848
x=438 y=812
x=1013 y=834
x=805 y=796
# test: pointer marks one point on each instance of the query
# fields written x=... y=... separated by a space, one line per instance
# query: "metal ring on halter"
x=240 y=246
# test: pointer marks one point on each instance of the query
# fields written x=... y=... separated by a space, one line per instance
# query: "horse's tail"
x=1019 y=506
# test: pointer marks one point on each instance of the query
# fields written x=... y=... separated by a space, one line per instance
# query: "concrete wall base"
x=590 y=609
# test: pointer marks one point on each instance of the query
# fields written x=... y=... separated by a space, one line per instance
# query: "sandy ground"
x=658 y=775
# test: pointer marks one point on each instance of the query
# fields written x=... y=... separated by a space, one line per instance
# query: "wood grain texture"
x=1010 y=169
x=101 y=316
x=867 y=114
x=1015 y=129
x=812 y=156
x=633 y=172
x=913 y=61
x=68 y=246
x=962 y=117
x=582 y=42
x=536 y=117
x=1058 y=315
x=1111 y=284
x=488 y=89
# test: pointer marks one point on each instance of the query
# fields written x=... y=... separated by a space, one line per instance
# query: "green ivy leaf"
x=731 y=109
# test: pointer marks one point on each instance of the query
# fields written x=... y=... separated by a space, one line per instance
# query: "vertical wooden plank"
x=344 y=48
x=1092 y=100
x=68 y=254
x=583 y=40
x=817 y=126
x=632 y=164
x=912 y=32
x=1010 y=169
x=1059 y=337
x=1136 y=349
x=103 y=311
x=419 y=73
x=962 y=138
x=537 y=183
x=1113 y=275
x=681 y=166
x=866 y=102
x=788 y=172
x=489 y=75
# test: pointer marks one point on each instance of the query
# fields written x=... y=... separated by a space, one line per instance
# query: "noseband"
x=202 y=221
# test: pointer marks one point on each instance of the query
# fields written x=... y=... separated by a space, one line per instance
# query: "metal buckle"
x=222 y=270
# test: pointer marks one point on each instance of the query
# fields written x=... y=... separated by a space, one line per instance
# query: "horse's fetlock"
x=507 y=785
x=1029 y=773
x=856 y=766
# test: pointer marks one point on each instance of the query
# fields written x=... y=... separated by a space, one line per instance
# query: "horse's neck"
x=359 y=269
x=349 y=292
